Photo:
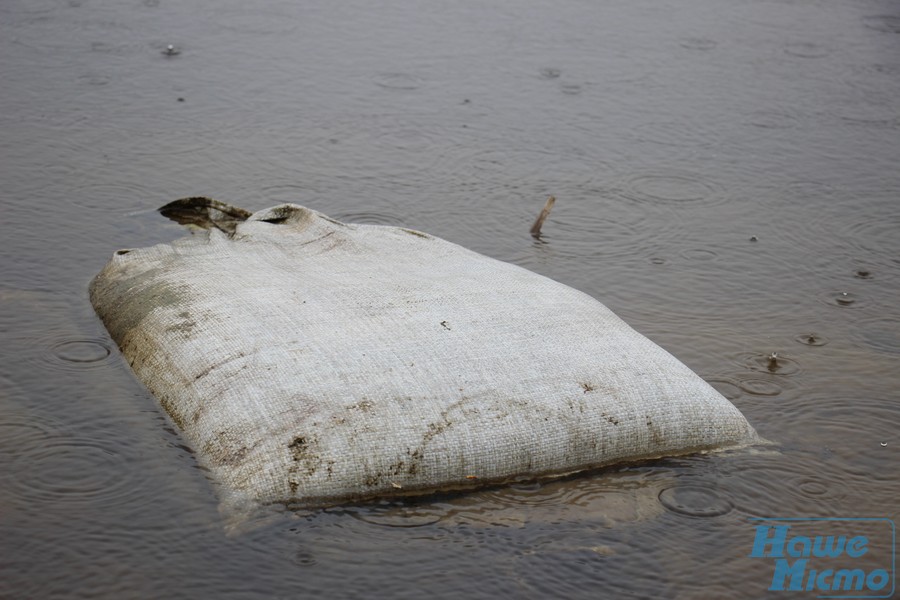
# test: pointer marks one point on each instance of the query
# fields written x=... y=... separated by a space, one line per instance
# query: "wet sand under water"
x=727 y=182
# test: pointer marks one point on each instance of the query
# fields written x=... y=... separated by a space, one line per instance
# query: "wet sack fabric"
x=312 y=362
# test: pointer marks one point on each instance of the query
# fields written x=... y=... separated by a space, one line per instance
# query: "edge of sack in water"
x=243 y=518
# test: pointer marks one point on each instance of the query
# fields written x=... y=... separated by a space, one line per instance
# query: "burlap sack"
x=314 y=362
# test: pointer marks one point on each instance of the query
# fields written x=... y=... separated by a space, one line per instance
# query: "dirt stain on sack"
x=226 y=448
x=126 y=302
x=305 y=460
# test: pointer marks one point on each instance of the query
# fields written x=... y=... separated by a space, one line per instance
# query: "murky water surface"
x=727 y=181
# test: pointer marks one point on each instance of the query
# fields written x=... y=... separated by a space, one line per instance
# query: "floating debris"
x=171 y=51
x=545 y=212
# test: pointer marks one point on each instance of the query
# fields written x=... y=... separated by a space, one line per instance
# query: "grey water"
x=727 y=175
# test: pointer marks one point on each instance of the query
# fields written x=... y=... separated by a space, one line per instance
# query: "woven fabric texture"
x=314 y=362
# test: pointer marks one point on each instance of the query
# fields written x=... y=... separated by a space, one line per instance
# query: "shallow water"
x=727 y=182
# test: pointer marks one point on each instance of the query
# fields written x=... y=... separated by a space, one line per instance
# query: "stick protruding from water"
x=545 y=212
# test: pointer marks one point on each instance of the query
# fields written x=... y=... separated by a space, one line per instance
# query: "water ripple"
x=881 y=334
x=774 y=118
x=566 y=571
x=761 y=383
x=255 y=21
x=285 y=193
x=729 y=388
x=846 y=431
x=758 y=386
x=883 y=23
x=75 y=470
x=521 y=164
x=20 y=427
x=812 y=339
x=807 y=50
x=844 y=299
x=761 y=487
x=398 y=513
x=608 y=498
x=494 y=193
x=601 y=230
x=409 y=139
x=398 y=81
x=695 y=501
x=774 y=363
x=673 y=187
x=550 y=73
x=874 y=236
x=81 y=351
x=697 y=43
x=677 y=134
x=71 y=353
x=700 y=254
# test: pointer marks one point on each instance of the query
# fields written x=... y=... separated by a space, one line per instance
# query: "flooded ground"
x=727 y=182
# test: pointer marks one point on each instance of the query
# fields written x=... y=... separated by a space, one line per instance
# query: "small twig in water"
x=545 y=212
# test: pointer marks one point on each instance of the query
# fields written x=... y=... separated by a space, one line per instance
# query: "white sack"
x=314 y=362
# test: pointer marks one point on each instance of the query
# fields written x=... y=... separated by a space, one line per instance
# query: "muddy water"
x=727 y=181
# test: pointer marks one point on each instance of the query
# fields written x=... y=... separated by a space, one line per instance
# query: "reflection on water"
x=726 y=182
